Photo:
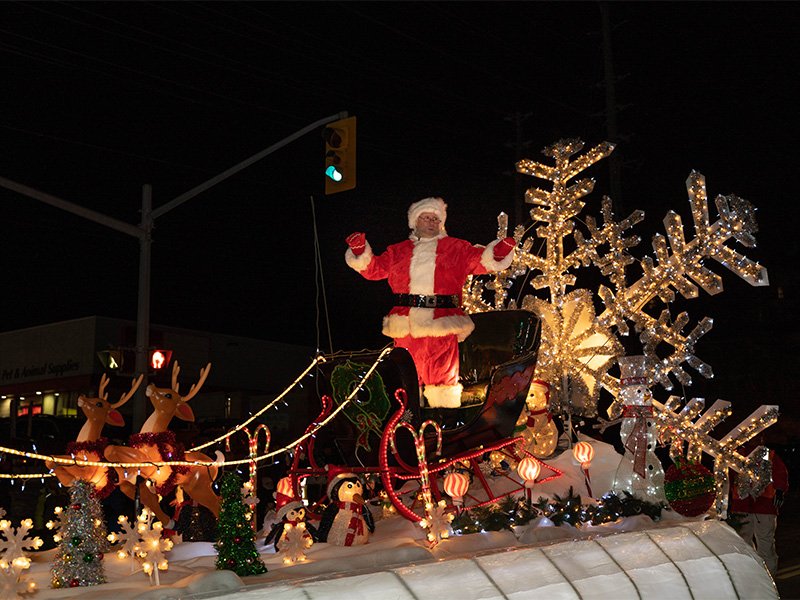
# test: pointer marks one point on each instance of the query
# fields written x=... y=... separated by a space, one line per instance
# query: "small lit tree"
x=79 y=557
x=235 y=545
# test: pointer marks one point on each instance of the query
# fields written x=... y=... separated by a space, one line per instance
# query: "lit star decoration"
x=680 y=427
x=578 y=346
x=151 y=546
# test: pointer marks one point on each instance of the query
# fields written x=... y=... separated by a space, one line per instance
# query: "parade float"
x=512 y=493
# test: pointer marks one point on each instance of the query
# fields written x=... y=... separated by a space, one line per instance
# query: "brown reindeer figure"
x=89 y=444
x=155 y=443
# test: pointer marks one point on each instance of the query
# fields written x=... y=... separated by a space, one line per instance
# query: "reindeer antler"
x=101 y=393
x=175 y=370
x=196 y=387
x=127 y=396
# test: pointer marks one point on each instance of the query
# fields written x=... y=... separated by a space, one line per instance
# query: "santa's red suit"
x=430 y=271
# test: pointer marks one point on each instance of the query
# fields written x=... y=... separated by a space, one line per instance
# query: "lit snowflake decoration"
x=437 y=521
x=152 y=546
x=578 y=346
x=126 y=540
x=54 y=525
x=295 y=542
x=14 y=543
x=13 y=585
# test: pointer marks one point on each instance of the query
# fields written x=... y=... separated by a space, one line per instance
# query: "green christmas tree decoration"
x=235 y=545
x=79 y=557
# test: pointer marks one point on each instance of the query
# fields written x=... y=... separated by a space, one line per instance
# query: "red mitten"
x=357 y=242
x=505 y=246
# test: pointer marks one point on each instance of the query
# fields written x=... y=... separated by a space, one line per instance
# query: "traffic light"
x=340 y=155
x=159 y=359
x=112 y=359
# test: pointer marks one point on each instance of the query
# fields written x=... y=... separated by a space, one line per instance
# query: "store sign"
x=47 y=370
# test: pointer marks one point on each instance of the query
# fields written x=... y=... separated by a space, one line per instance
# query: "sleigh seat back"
x=496 y=363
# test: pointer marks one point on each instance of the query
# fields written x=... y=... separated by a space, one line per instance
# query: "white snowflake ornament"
x=13 y=544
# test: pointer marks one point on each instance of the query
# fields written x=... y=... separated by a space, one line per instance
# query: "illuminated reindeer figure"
x=90 y=445
x=155 y=443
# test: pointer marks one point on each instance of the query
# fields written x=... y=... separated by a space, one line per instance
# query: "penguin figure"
x=291 y=514
x=347 y=521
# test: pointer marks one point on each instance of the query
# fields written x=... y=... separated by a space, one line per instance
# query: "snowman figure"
x=640 y=471
x=347 y=521
x=537 y=428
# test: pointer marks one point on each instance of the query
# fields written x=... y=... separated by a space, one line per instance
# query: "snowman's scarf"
x=637 y=440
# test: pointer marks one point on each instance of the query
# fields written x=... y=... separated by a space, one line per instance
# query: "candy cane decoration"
x=431 y=514
x=252 y=441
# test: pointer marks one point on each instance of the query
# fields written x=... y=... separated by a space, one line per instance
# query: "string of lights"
x=197 y=463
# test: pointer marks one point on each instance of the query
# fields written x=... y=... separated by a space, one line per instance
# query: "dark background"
x=101 y=98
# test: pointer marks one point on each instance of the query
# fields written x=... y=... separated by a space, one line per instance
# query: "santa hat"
x=284 y=504
x=434 y=205
x=336 y=475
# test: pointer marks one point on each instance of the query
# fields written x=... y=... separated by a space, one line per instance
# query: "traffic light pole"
x=144 y=234
x=143 y=303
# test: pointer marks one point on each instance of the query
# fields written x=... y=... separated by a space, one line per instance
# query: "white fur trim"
x=360 y=262
x=420 y=323
x=434 y=205
x=423 y=266
x=443 y=396
x=488 y=261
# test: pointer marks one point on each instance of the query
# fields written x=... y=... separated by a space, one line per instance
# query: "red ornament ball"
x=100 y=556
x=237 y=540
x=689 y=488
x=76 y=507
x=74 y=583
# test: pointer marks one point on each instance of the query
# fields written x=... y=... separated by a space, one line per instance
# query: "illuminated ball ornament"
x=456 y=485
x=529 y=469
x=583 y=452
x=689 y=488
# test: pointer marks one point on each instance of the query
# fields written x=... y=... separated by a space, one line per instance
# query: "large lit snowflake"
x=578 y=346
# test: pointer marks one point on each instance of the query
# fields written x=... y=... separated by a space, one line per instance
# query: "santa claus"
x=427 y=273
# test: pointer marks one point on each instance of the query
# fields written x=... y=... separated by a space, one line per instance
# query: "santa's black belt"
x=422 y=301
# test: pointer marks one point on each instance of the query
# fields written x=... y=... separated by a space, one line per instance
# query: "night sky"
x=102 y=98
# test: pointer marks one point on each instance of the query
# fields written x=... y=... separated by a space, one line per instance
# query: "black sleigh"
x=384 y=430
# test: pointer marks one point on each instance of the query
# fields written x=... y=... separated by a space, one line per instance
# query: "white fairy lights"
x=578 y=346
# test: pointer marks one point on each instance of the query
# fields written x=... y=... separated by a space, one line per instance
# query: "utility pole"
x=143 y=232
x=610 y=78
x=519 y=145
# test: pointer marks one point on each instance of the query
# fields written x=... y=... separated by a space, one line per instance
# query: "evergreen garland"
x=567 y=509
x=235 y=545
